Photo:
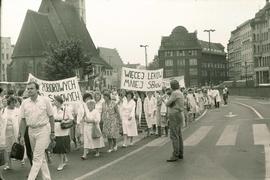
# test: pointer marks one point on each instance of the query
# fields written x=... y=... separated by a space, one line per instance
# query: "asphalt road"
x=231 y=142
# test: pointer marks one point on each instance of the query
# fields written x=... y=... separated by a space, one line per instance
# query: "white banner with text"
x=68 y=89
x=141 y=80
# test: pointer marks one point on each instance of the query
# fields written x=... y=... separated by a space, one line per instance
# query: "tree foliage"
x=63 y=59
x=154 y=64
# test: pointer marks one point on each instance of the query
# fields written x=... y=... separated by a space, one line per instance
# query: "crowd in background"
x=115 y=113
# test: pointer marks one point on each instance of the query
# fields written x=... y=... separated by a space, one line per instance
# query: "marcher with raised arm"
x=37 y=113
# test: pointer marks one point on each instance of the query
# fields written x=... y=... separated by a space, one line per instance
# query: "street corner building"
x=200 y=62
x=56 y=20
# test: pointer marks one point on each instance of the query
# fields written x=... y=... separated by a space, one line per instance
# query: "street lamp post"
x=209 y=46
x=145 y=54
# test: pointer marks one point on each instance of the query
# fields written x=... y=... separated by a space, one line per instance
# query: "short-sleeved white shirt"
x=36 y=113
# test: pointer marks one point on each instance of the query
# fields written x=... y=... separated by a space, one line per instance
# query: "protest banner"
x=141 y=80
x=180 y=79
x=68 y=89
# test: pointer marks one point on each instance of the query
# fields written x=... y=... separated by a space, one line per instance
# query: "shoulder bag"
x=66 y=125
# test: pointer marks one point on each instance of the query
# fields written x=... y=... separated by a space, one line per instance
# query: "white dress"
x=128 y=111
x=58 y=114
x=149 y=109
x=89 y=142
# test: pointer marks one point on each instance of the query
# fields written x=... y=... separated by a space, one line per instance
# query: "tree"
x=154 y=64
x=64 y=59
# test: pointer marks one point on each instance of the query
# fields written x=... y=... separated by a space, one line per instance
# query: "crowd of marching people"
x=97 y=122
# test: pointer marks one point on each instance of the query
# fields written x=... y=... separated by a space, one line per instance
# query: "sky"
x=127 y=24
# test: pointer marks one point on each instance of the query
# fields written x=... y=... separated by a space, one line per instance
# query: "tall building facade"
x=183 y=54
x=240 y=53
x=261 y=44
x=112 y=57
x=6 y=53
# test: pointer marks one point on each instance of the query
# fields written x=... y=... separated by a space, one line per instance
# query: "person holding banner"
x=111 y=121
x=150 y=111
x=37 y=113
x=62 y=139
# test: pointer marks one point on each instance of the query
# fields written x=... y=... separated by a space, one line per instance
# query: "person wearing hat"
x=62 y=146
x=175 y=106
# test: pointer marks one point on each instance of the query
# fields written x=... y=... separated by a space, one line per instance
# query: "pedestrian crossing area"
x=229 y=135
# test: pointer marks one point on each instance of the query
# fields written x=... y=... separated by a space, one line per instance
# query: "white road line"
x=228 y=137
x=196 y=137
x=198 y=118
x=267 y=161
x=261 y=134
x=252 y=108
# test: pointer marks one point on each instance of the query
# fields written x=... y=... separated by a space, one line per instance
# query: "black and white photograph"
x=135 y=90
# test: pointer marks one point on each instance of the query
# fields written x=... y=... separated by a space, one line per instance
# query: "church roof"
x=111 y=56
x=36 y=32
x=56 y=20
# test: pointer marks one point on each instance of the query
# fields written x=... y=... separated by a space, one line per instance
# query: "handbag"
x=17 y=151
x=96 y=133
x=66 y=125
x=2 y=157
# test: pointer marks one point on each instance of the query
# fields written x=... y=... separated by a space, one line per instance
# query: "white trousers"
x=39 y=139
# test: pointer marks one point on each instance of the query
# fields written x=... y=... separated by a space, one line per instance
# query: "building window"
x=2 y=56
x=181 y=62
x=168 y=72
x=190 y=52
x=168 y=62
x=193 y=62
x=193 y=71
x=180 y=53
x=194 y=52
x=168 y=53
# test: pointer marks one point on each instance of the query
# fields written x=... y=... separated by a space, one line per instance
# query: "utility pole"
x=145 y=54
x=246 y=71
x=209 y=46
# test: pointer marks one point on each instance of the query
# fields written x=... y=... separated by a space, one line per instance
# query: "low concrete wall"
x=250 y=91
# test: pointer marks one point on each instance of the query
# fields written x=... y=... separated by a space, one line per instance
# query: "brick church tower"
x=80 y=7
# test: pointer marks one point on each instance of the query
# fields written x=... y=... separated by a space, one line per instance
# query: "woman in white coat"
x=92 y=117
x=138 y=113
x=129 y=124
x=9 y=128
x=150 y=111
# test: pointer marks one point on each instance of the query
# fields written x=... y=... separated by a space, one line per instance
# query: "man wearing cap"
x=37 y=114
x=176 y=117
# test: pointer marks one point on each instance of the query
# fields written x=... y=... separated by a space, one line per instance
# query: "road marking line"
x=264 y=103
x=267 y=161
x=87 y=175
x=228 y=137
x=198 y=118
x=261 y=134
x=252 y=108
x=197 y=136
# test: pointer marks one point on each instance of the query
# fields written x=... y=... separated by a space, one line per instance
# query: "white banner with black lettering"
x=141 y=80
x=69 y=88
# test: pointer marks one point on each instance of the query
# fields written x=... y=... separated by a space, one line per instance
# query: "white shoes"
x=110 y=150
x=61 y=167
x=115 y=148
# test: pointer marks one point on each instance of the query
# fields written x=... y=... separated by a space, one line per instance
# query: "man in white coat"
x=150 y=111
